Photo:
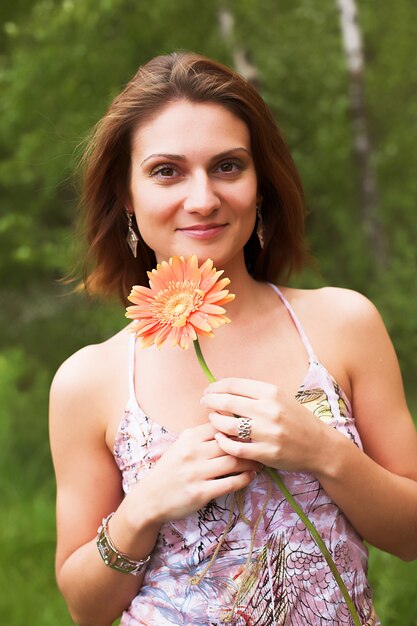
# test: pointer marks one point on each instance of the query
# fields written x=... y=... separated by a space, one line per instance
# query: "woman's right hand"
x=192 y=471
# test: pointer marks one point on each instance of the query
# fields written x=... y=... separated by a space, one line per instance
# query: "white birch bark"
x=353 y=48
x=241 y=56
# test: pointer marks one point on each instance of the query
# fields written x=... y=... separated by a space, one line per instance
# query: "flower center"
x=178 y=304
x=175 y=304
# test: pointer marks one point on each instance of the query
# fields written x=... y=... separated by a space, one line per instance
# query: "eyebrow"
x=182 y=157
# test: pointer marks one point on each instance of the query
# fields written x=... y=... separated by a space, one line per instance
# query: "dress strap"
x=311 y=356
x=132 y=343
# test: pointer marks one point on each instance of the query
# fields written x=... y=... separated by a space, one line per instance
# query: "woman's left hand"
x=284 y=434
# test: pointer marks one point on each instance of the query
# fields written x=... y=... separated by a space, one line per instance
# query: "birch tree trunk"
x=241 y=56
x=368 y=184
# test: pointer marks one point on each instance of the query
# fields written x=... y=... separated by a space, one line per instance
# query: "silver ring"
x=244 y=429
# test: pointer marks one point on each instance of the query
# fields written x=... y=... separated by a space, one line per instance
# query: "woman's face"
x=193 y=184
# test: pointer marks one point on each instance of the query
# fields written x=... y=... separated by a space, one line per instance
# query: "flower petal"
x=183 y=301
x=219 y=297
x=162 y=335
x=212 y=308
x=199 y=322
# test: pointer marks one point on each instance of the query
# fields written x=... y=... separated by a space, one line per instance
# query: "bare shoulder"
x=86 y=379
x=346 y=331
x=329 y=297
x=88 y=367
x=334 y=306
x=86 y=397
x=350 y=339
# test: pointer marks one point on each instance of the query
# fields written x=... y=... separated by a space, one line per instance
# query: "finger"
x=245 y=387
x=206 y=450
x=227 y=403
x=225 y=423
x=242 y=449
x=232 y=426
x=211 y=449
x=228 y=484
x=202 y=432
x=227 y=465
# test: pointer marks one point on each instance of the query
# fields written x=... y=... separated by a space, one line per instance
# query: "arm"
x=89 y=488
x=380 y=495
x=377 y=488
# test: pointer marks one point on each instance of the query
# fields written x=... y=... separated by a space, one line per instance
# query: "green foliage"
x=394 y=586
x=23 y=392
x=27 y=562
x=61 y=62
x=303 y=78
x=390 y=36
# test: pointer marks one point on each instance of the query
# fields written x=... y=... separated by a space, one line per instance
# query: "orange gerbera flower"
x=183 y=301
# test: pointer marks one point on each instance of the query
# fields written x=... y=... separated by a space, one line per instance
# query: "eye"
x=230 y=167
x=164 y=171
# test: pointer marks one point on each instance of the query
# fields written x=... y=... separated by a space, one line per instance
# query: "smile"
x=203 y=231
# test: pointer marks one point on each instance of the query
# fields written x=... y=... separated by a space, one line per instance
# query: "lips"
x=199 y=227
x=203 y=231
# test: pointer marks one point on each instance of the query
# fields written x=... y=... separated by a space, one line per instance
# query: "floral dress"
x=246 y=559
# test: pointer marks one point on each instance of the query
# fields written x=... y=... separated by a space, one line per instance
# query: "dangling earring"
x=260 y=226
x=132 y=238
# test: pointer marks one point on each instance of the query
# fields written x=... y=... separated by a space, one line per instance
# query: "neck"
x=243 y=285
x=246 y=289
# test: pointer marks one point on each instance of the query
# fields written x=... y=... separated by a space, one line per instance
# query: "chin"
x=221 y=255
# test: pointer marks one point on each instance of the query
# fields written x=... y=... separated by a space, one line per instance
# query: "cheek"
x=153 y=222
x=247 y=210
x=248 y=193
x=149 y=223
x=248 y=222
x=148 y=210
x=152 y=204
x=251 y=221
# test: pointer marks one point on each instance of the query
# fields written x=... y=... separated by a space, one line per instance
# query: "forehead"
x=184 y=126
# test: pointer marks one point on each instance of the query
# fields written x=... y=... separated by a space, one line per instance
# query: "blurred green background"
x=60 y=64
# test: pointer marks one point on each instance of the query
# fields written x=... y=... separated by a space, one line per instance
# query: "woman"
x=188 y=160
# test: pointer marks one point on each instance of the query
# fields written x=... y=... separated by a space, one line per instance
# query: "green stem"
x=202 y=361
x=319 y=541
x=290 y=499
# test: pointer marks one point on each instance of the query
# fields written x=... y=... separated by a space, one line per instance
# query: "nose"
x=201 y=196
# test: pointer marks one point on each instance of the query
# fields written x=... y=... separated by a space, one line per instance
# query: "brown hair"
x=110 y=268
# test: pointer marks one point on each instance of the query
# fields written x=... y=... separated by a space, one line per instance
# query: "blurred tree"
x=61 y=62
x=302 y=72
x=390 y=36
x=303 y=79
x=353 y=47
x=241 y=55
x=59 y=74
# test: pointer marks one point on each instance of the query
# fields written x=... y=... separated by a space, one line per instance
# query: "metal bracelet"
x=111 y=555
